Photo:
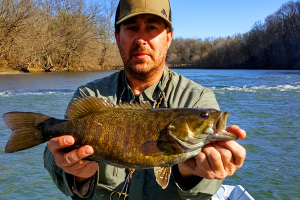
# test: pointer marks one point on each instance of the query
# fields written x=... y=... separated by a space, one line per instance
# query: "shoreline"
x=12 y=73
x=16 y=72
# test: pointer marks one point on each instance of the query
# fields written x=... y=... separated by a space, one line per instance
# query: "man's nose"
x=141 y=38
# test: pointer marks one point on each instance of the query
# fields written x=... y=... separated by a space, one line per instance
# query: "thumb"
x=236 y=130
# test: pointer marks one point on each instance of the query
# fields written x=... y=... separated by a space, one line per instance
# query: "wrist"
x=186 y=182
x=184 y=173
x=84 y=187
x=79 y=179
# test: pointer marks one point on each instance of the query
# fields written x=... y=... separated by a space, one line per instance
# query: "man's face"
x=143 y=43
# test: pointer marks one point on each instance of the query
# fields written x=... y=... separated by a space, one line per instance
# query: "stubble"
x=144 y=69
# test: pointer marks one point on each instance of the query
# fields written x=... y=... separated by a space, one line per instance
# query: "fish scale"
x=129 y=135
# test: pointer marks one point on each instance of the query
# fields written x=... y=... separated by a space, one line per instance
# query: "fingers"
x=237 y=130
x=224 y=158
x=72 y=162
x=206 y=171
x=70 y=158
x=206 y=164
x=66 y=159
x=58 y=143
x=216 y=161
x=237 y=151
x=83 y=169
x=226 y=162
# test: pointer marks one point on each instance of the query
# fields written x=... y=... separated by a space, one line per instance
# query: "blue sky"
x=219 y=18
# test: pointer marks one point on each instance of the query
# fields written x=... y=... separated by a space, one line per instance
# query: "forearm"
x=57 y=174
x=66 y=182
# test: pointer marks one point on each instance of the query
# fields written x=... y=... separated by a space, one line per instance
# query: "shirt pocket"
x=111 y=177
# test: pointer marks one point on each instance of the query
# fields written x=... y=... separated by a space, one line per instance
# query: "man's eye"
x=152 y=27
x=131 y=28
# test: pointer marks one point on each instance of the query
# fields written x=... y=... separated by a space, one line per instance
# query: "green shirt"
x=181 y=92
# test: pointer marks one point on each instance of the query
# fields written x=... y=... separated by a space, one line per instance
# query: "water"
x=264 y=103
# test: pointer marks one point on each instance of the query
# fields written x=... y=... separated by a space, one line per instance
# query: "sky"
x=219 y=18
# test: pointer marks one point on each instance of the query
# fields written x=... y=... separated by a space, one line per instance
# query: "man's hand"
x=72 y=162
x=216 y=160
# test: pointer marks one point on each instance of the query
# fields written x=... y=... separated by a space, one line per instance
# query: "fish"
x=129 y=135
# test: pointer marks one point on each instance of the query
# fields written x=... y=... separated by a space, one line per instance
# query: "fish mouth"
x=219 y=132
x=215 y=132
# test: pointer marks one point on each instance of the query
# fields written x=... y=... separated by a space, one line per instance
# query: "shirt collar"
x=127 y=94
x=152 y=93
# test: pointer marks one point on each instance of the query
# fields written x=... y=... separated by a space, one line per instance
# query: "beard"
x=145 y=68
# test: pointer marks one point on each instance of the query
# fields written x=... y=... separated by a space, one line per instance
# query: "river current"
x=264 y=103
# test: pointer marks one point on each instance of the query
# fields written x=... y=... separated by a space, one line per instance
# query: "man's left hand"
x=217 y=160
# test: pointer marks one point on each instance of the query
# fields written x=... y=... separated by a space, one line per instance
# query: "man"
x=143 y=35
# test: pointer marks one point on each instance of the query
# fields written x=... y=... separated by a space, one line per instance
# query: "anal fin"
x=163 y=175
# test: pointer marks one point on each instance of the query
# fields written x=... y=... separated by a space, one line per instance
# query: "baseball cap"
x=130 y=8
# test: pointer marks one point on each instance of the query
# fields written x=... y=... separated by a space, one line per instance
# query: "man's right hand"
x=72 y=162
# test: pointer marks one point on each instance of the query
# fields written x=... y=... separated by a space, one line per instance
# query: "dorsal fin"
x=84 y=106
x=87 y=105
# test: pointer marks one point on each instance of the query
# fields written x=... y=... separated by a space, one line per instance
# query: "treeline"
x=57 y=35
x=71 y=35
x=274 y=44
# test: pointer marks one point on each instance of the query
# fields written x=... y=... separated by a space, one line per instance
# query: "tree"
x=13 y=16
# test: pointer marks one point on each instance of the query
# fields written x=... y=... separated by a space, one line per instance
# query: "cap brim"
x=141 y=13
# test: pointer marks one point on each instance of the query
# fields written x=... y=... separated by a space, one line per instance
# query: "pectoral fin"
x=163 y=175
x=150 y=149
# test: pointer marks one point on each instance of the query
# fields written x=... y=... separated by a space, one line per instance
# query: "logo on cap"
x=164 y=13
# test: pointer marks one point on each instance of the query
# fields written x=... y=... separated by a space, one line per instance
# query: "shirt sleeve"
x=57 y=174
x=207 y=99
x=195 y=187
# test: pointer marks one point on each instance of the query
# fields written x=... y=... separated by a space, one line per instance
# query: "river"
x=264 y=103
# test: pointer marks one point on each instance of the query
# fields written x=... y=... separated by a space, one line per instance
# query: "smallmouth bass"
x=127 y=135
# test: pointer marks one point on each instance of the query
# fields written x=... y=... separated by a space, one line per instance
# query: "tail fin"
x=25 y=128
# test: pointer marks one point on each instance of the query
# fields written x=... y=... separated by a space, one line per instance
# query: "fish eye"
x=204 y=115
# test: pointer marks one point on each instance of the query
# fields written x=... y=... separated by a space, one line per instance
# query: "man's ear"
x=117 y=38
x=170 y=37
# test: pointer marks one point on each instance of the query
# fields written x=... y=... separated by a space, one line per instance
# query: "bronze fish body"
x=127 y=135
